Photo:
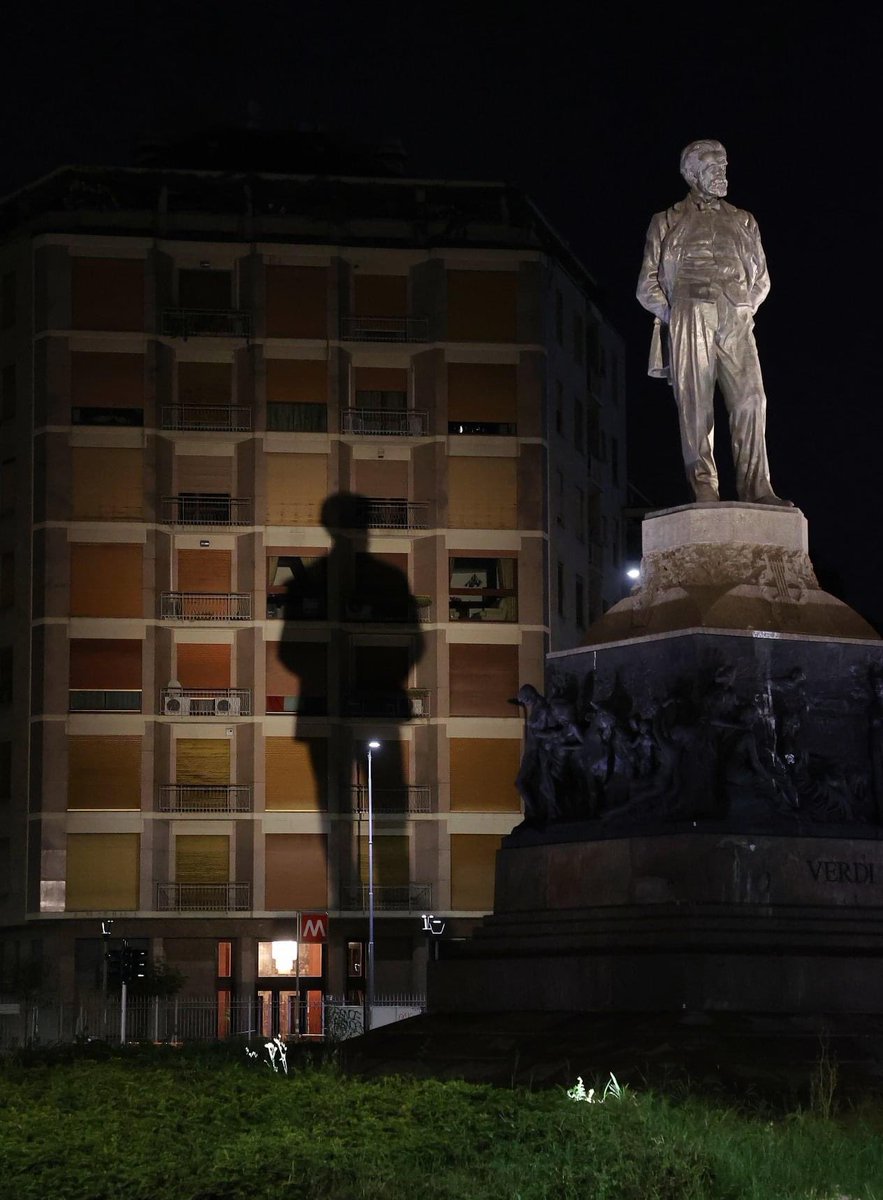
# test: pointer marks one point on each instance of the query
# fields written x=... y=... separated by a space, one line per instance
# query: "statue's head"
x=704 y=167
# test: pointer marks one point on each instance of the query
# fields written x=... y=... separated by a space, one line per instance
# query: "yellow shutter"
x=202 y=858
x=296 y=871
x=106 y=580
x=297 y=486
x=483 y=774
x=482 y=392
x=296 y=774
x=482 y=493
x=202 y=760
x=107 y=483
x=104 y=772
x=102 y=871
x=392 y=867
x=473 y=858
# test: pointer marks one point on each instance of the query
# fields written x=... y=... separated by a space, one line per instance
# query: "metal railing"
x=205 y=322
x=357 y=612
x=217 y=417
x=384 y=329
x=297 y=416
x=205 y=606
x=104 y=700
x=205 y=702
x=199 y=798
x=408 y=897
x=381 y=422
x=414 y=798
x=206 y=510
x=412 y=703
x=203 y=897
x=398 y=514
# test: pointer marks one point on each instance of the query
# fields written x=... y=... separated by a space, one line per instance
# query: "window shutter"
x=202 y=761
x=202 y=665
x=107 y=293
x=202 y=858
x=102 y=871
x=105 y=664
x=107 y=484
x=483 y=678
x=380 y=295
x=482 y=493
x=297 y=486
x=205 y=383
x=473 y=860
x=296 y=774
x=106 y=580
x=211 y=474
x=482 y=306
x=483 y=772
x=296 y=871
x=297 y=302
x=104 y=773
x=391 y=860
x=482 y=392
x=297 y=380
x=205 y=570
x=100 y=380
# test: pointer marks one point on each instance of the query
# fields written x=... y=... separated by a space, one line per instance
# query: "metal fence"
x=178 y=1019
x=205 y=606
x=219 y=417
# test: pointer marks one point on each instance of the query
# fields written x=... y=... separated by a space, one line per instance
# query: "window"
x=297 y=677
x=278 y=958
x=482 y=493
x=614 y=460
x=296 y=871
x=473 y=856
x=482 y=399
x=7 y=300
x=482 y=679
x=204 y=288
x=7 y=486
x=297 y=395
x=5 y=770
x=483 y=589
x=297 y=485
x=296 y=587
x=106 y=580
x=482 y=306
x=107 y=293
x=559 y=497
x=579 y=601
x=7 y=580
x=297 y=302
x=102 y=871
x=296 y=774
x=580 y=515
x=107 y=389
x=105 y=675
x=8 y=390
x=579 y=425
x=225 y=960
x=483 y=771
x=593 y=435
x=107 y=483
x=614 y=548
x=6 y=665
x=579 y=339
x=559 y=318
x=104 y=772
x=559 y=590
x=559 y=406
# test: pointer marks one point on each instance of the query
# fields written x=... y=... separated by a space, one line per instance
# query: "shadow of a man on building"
x=360 y=671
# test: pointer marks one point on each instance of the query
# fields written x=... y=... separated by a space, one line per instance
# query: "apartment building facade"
x=286 y=465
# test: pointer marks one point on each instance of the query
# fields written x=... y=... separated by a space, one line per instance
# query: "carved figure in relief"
x=703 y=277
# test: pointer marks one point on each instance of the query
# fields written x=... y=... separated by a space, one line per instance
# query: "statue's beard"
x=717 y=187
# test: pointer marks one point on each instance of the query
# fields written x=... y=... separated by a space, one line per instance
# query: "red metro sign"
x=314 y=927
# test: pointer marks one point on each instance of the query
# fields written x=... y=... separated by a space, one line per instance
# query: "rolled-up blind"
x=208 y=473
x=296 y=871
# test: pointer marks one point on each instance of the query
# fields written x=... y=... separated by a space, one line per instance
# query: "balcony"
x=220 y=418
x=482 y=428
x=182 y=703
x=384 y=329
x=205 y=606
x=398 y=706
x=408 y=897
x=107 y=700
x=205 y=322
x=380 y=422
x=205 y=510
x=203 y=897
x=415 y=798
x=397 y=514
x=203 y=798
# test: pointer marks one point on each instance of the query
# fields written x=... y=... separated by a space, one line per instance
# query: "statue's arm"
x=761 y=285
x=650 y=294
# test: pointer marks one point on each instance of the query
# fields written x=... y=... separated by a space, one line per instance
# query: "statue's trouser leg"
x=738 y=373
x=692 y=333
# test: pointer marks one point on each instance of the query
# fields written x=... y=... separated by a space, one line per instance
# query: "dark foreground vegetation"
x=160 y=1124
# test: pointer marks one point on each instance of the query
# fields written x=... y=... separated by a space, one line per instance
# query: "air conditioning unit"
x=418 y=705
x=228 y=706
x=176 y=706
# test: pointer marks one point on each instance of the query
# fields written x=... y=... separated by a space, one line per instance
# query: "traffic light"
x=134 y=964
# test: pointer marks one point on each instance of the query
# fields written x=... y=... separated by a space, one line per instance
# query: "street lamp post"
x=369 y=975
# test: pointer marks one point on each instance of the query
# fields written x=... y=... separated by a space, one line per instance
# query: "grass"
x=167 y=1125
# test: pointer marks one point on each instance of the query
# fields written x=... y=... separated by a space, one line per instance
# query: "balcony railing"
x=206 y=510
x=381 y=422
x=218 y=417
x=205 y=606
x=409 y=897
x=413 y=703
x=203 y=897
x=378 y=612
x=385 y=329
x=206 y=322
x=397 y=514
x=415 y=798
x=205 y=702
x=295 y=416
x=106 y=700
x=203 y=798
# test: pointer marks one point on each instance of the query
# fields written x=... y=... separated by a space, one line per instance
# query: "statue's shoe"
x=775 y=501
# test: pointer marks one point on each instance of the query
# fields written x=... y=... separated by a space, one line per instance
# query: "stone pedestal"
x=734 y=860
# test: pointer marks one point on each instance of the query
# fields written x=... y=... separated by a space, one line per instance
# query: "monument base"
x=710 y=921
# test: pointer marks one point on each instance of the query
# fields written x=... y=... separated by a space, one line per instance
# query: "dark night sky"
x=588 y=113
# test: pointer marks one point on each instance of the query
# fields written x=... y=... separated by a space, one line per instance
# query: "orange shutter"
x=384 y=479
x=482 y=493
x=104 y=772
x=100 y=380
x=297 y=380
x=107 y=293
x=296 y=871
x=483 y=679
x=380 y=295
x=105 y=664
x=204 y=570
x=482 y=306
x=483 y=774
x=208 y=474
x=203 y=666
x=102 y=871
x=297 y=302
x=296 y=774
x=473 y=859
x=106 y=580
x=297 y=669
x=380 y=379
x=482 y=392
x=107 y=483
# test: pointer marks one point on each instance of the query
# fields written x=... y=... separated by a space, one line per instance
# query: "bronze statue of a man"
x=703 y=278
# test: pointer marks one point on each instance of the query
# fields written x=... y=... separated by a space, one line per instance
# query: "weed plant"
x=172 y=1125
